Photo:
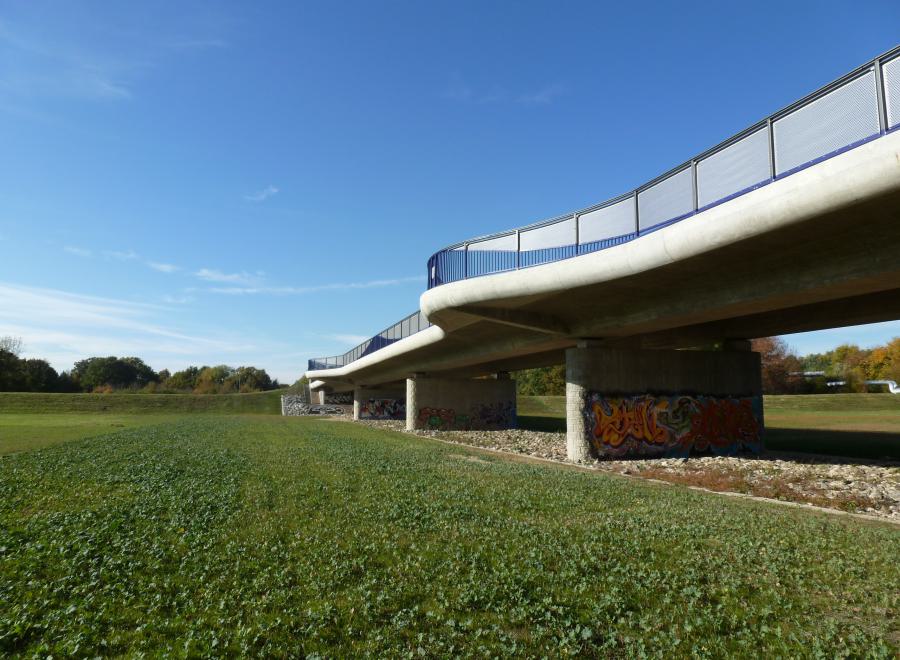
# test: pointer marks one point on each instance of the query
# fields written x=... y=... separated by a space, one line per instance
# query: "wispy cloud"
x=177 y=300
x=78 y=251
x=126 y=255
x=244 y=278
x=349 y=339
x=543 y=96
x=461 y=91
x=298 y=290
x=262 y=195
x=163 y=267
x=46 y=67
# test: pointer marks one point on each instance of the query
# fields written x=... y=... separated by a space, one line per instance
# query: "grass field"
x=256 y=535
x=859 y=425
x=28 y=402
x=32 y=421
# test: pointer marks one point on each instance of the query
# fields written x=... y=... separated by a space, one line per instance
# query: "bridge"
x=650 y=299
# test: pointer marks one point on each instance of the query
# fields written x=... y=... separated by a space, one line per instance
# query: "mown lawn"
x=268 y=403
x=856 y=425
x=263 y=535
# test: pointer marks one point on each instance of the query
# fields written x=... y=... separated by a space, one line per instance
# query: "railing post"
x=577 y=236
x=466 y=262
x=694 y=188
x=770 y=128
x=880 y=98
x=637 y=215
x=518 y=248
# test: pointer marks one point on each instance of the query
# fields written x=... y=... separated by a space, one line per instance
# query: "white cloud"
x=126 y=255
x=64 y=327
x=162 y=267
x=262 y=195
x=349 y=339
x=177 y=300
x=77 y=251
x=297 y=290
x=214 y=275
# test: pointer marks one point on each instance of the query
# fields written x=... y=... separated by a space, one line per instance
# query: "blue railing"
x=856 y=108
x=404 y=328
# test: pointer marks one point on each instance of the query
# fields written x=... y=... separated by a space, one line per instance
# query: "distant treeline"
x=784 y=372
x=127 y=374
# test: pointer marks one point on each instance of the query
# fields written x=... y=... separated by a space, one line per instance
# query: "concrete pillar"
x=624 y=403
x=460 y=404
x=383 y=402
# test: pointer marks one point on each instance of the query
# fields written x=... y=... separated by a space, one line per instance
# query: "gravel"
x=858 y=485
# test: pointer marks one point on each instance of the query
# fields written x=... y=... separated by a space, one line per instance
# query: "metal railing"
x=852 y=110
x=404 y=328
x=856 y=108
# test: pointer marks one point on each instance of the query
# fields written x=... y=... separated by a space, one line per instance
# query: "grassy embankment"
x=862 y=425
x=228 y=535
x=32 y=421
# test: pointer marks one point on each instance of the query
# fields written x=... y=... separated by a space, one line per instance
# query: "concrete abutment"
x=460 y=404
x=624 y=403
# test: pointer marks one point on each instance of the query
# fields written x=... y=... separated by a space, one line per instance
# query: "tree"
x=97 y=372
x=778 y=363
x=542 y=381
x=39 y=376
x=186 y=379
x=11 y=344
x=211 y=380
x=12 y=377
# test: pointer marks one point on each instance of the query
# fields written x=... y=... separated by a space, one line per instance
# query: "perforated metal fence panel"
x=670 y=198
x=607 y=222
x=891 y=74
x=556 y=235
x=735 y=168
x=844 y=116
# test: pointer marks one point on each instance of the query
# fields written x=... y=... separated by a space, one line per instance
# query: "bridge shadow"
x=801 y=445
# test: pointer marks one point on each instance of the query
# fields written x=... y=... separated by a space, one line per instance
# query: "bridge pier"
x=384 y=402
x=460 y=404
x=627 y=403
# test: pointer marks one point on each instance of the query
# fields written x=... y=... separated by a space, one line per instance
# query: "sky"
x=261 y=183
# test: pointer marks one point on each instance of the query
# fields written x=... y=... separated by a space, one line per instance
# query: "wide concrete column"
x=624 y=403
x=460 y=404
x=384 y=402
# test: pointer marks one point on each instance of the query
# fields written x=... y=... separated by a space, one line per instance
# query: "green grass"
x=28 y=402
x=277 y=536
x=853 y=425
x=25 y=432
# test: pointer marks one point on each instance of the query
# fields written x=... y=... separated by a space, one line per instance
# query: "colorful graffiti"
x=442 y=419
x=339 y=398
x=382 y=409
x=500 y=415
x=660 y=425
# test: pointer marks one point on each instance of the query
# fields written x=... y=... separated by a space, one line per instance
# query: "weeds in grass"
x=298 y=537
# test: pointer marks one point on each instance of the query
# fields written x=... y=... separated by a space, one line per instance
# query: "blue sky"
x=259 y=183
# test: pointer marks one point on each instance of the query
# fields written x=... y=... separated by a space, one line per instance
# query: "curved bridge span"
x=791 y=225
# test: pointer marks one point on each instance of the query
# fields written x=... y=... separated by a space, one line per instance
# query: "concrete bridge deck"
x=817 y=247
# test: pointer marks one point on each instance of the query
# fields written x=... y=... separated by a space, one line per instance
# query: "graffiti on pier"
x=442 y=419
x=500 y=415
x=660 y=425
x=339 y=398
x=382 y=409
